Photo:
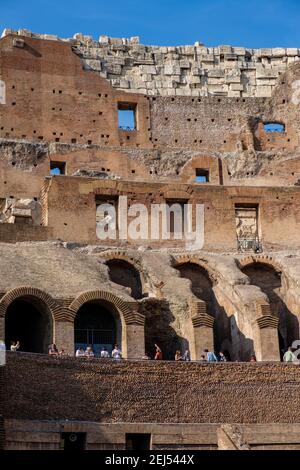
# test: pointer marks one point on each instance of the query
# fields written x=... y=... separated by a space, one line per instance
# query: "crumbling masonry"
x=212 y=126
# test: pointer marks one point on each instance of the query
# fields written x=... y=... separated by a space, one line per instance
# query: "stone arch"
x=27 y=314
x=132 y=322
x=122 y=256
x=128 y=310
x=214 y=276
x=263 y=259
x=209 y=293
x=18 y=292
x=267 y=274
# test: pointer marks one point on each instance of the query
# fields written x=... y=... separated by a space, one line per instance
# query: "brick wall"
x=43 y=388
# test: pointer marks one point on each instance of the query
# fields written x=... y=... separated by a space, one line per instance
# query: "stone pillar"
x=64 y=336
x=134 y=338
x=268 y=342
x=203 y=333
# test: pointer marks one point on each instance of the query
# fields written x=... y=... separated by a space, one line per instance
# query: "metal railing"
x=247 y=244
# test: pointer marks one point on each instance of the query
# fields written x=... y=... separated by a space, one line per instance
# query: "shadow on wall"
x=158 y=329
x=269 y=280
x=125 y=274
x=203 y=288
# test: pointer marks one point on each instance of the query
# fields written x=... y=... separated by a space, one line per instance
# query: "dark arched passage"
x=203 y=288
x=29 y=321
x=97 y=323
x=269 y=280
x=125 y=274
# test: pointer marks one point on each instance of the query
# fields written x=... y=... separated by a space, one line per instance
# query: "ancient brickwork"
x=145 y=392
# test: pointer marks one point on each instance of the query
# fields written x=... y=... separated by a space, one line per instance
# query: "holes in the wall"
x=60 y=109
x=80 y=93
x=61 y=133
x=212 y=120
x=40 y=137
x=127 y=116
x=105 y=96
x=57 y=139
x=73 y=141
x=94 y=120
x=57 y=168
x=13 y=87
x=12 y=129
x=99 y=95
x=133 y=172
x=229 y=119
x=34 y=132
x=195 y=119
x=53 y=91
x=199 y=100
x=13 y=103
x=53 y=109
x=32 y=89
x=60 y=92
x=202 y=175
x=100 y=113
x=283 y=101
x=24 y=136
x=53 y=133
x=172 y=99
x=225 y=141
x=189 y=119
x=166 y=118
x=176 y=141
x=89 y=142
x=289 y=140
x=13 y=163
x=128 y=137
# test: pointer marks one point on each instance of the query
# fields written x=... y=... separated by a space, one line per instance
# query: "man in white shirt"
x=104 y=353
x=116 y=354
x=80 y=352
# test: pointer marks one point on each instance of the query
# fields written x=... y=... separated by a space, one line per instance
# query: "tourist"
x=210 y=356
x=53 y=351
x=62 y=353
x=80 y=352
x=116 y=353
x=289 y=356
x=104 y=353
x=187 y=355
x=203 y=358
x=222 y=357
x=15 y=346
x=253 y=358
x=158 y=353
x=89 y=352
x=178 y=356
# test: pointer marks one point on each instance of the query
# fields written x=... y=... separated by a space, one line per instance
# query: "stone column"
x=268 y=342
x=63 y=335
x=203 y=333
x=134 y=339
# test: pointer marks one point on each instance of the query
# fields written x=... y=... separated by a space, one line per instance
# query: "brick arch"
x=122 y=256
x=183 y=259
x=262 y=259
x=128 y=310
x=25 y=291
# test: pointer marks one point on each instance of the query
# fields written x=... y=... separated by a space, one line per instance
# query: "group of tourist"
x=207 y=356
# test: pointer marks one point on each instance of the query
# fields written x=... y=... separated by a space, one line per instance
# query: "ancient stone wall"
x=150 y=392
x=194 y=70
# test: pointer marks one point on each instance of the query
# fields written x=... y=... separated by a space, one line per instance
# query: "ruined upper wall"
x=183 y=70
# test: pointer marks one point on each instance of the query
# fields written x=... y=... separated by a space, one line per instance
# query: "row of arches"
x=30 y=321
x=99 y=321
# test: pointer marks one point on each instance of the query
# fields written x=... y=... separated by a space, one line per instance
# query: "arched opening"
x=269 y=280
x=29 y=321
x=125 y=274
x=97 y=323
x=203 y=288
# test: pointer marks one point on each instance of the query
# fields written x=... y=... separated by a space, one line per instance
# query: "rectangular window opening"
x=127 y=116
x=202 y=176
x=138 y=441
x=57 y=168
